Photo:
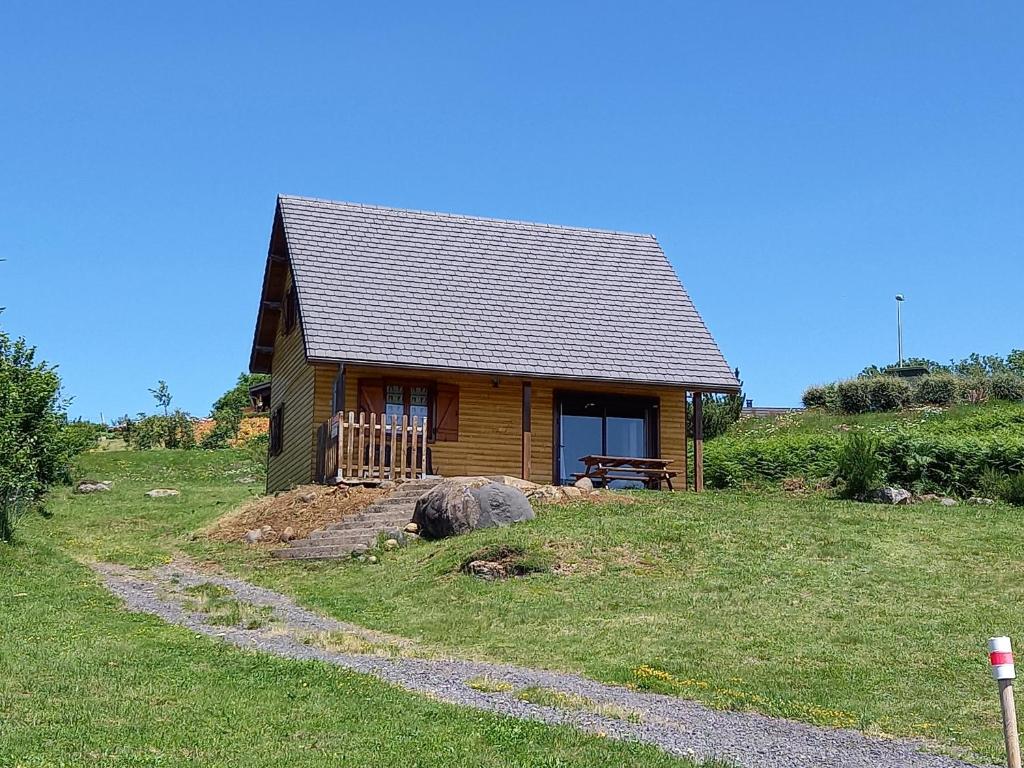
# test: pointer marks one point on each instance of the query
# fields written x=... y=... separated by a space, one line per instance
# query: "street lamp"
x=899 y=325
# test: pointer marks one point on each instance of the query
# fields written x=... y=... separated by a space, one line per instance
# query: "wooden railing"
x=371 y=447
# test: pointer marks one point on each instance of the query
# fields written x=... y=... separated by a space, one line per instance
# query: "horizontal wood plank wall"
x=293 y=385
x=490 y=418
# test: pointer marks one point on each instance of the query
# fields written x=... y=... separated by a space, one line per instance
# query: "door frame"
x=652 y=421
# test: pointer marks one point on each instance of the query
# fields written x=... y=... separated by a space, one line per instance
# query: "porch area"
x=370 y=448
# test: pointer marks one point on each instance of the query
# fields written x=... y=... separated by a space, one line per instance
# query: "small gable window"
x=291 y=310
x=277 y=430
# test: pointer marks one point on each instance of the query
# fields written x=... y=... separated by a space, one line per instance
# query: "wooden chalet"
x=404 y=343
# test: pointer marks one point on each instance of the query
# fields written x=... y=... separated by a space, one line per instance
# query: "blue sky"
x=800 y=163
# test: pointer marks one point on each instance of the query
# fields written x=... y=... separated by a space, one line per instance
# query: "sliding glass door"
x=605 y=425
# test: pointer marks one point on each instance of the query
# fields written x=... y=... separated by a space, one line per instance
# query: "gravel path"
x=678 y=726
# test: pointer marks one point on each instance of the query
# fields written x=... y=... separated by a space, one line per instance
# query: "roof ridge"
x=466 y=216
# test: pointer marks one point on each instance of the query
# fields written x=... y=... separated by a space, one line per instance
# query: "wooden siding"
x=293 y=385
x=491 y=421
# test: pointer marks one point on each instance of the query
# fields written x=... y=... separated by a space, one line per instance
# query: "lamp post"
x=899 y=325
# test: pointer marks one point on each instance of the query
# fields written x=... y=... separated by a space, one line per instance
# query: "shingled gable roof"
x=439 y=291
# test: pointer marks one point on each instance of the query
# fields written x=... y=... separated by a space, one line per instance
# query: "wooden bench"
x=651 y=472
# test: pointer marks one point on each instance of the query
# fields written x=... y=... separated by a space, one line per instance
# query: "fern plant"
x=859 y=467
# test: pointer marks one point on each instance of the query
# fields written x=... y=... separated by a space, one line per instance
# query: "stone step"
x=356 y=529
x=314 y=553
x=362 y=529
x=339 y=540
x=383 y=518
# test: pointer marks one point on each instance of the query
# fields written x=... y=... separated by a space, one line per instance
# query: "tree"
x=35 y=452
x=162 y=395
x=236 y=399
x=910 y=362
x=229 y=408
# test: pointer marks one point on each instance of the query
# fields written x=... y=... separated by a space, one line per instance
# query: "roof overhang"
x=268 y=314
x=688 y=386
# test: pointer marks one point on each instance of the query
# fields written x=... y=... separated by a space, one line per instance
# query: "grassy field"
x=84 y=683
x=826 y=611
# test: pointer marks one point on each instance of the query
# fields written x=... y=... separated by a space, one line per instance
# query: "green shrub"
x=35 y=449
x=174 y=430
x=853 y=396
x=226 y=428
x=888 y=393
x=1007 y=386
x=1013 y=492
x=937 y=389
x=82 y=435
x=823 y=397
x=858 y=466
x=992 y=483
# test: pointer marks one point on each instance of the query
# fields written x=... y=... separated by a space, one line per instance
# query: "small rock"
x=584 y=484
x=891 y=495
x=159 y=493
x=980 y=500
x=948 y=502
x=412 y=528
x=307 y=498
x=391 y=544
x=487 y=570
x=246 y=480
x=372 y=559
x=359 y=550
x=93 y=486
x=253 y=536
x=288 y=534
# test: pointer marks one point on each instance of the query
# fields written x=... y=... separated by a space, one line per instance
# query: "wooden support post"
x=684 y=482
x=698 y=441
x=527 y=430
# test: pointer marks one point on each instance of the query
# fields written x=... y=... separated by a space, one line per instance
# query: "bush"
x=83 y=436
x=853 y=396
x=1013 y=491
x=35 y=452
x=823 y=397
x=888 y=393
x=1007 y=386
x=937 y=389
x=226 y=428
x=172 y=431
x=858 y=466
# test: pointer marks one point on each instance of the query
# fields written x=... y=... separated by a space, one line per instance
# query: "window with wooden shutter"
x=277 y=430
x=446 y=413
x=371 y=396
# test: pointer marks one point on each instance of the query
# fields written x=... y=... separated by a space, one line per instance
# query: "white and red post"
x=1000 y=656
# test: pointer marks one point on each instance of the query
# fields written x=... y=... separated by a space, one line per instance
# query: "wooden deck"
x=370 y=448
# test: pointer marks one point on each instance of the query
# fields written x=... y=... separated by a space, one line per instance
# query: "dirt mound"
x=304 y=510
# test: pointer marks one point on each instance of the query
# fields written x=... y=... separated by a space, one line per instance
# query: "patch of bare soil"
x=303 y=509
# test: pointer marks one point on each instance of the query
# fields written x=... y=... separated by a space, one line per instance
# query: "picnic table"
x=651 y=472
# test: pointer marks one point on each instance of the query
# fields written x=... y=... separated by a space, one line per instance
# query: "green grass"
x=83 y=682
x=827 y=611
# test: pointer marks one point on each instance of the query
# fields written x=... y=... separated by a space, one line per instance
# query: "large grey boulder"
x=460 y=505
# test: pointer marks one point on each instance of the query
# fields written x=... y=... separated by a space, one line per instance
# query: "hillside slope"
x=926 y=449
